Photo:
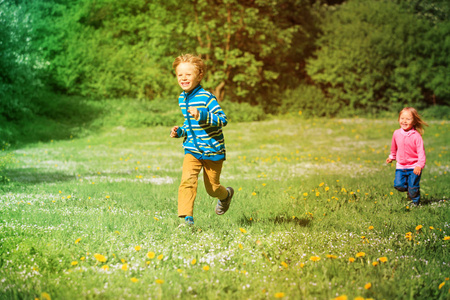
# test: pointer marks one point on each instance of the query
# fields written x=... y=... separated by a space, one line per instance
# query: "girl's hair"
x=193 y=59
x=418 y=123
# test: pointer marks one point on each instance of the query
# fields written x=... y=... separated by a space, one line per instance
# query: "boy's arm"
x=213 y=115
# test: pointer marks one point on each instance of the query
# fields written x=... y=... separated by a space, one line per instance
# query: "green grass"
x=304 y=188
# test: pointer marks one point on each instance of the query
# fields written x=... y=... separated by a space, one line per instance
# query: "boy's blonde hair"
x=196 y=61
x=418 y=123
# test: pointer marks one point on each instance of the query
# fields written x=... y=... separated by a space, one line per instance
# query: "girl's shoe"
x=189 y=220
x=223 y=205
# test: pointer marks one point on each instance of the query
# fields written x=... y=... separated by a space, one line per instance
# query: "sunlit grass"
x=314 y=216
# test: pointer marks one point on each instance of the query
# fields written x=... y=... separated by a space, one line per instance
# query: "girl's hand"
x=194 y=113
x=173 y=132
x=388 y=160
x=417 y=170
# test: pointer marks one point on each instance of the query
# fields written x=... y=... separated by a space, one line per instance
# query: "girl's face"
x=406 y=120
x=187 y=76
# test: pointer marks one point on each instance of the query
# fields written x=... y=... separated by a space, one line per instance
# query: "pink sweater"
x=407 y=149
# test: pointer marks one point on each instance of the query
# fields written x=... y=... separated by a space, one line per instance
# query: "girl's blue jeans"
x=407 y=181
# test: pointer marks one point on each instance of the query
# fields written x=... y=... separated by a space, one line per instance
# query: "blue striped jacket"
x=203 y=138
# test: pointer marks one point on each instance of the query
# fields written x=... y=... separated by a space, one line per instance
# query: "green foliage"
x=6 y=158
x=374 y=56
x=242 y=112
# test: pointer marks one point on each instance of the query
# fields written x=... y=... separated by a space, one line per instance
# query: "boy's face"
x=406 y=120
x=187 y=76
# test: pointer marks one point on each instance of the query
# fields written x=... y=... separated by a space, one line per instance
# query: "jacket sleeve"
x=393 y=154
x=181 y=131
x=213 y=115
x=421 y=153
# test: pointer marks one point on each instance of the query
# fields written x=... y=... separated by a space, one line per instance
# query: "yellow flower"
x=418 y=227
x=375 y=264
x=391 y=193
x=253 y=194
x=263 y=184
x=116 y=232
x=107 y=197
x=160 y=257
x=314 y=258
x=358 y=298
x=159 y=281
x=105 y=267
x=137 y=248
x=100 y=257
x=179 y=270
x=206 y=268
x=193 y=262
x=243 y=230
x=431 y=227
x=45 y=296
x=327 y=189
x=305 y=194
x=383 y=259
x=74 y=263
x=284 y=264
x=82 y=258
x=321 y=184
x=441 y=285
x=125 y=267
x=351 y=259
x=77 y=241
x=279 y=295
x=240 y=246
x=360 y=254
x=156 y=219
x=151 y=255
x=134 y=279
x=331 y=256
x=343 y=297
x=446 y=238
x=302 y=265
x=368 y=286
x=370 y=227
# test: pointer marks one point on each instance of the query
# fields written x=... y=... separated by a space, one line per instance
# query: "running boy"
x=407 y=148
x=204 y=144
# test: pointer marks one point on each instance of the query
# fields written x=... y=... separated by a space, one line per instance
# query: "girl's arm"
x=420 y=153
x=393 y=154
x=213 y=115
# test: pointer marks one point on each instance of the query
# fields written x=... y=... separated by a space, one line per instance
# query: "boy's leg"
x=211 y=178
x=414 y=187
x=188 y=186
x=401 y=180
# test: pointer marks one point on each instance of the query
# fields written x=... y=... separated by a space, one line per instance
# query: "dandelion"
x=279 y=295
x=284 y=264
x=263 y=184
x=205 y=268
x=351 y=259
x=107 y=197
x=125 y=267
x=243 y=230
x=375 y=263
x=82 y=258
x=317 y=194
x=77 y=241
x=371 y=227
x=100 y=257
x=253 y=194
x=156 y=219
x=408 y=235
x=240 y=246
x=327 y=189
x=134 y=279
x=431 y=227
x=179 y=270
x=159 y=281
x=193 y=262
x=418 y=227
x=441 y=285
x=45 y=296
x=160 y=257
x=446 y=238
x=74 y=263
x=321 y=184
x=105 y=267
x=359 y=298
x=302 y=265
x=368 y=286
x=360 y=254
x=342 y=297
x=331 y=256
x=391 y=193
x=151 y=255
x=314 y=258
x=305 y=194
x=137 y=248
x=383 y=259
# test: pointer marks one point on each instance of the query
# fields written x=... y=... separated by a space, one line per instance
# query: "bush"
x=242 y=112
x=438 y=112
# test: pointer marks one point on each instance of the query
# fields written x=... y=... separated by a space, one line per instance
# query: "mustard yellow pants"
x=189 y=179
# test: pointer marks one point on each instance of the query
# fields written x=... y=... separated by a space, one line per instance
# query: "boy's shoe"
x=189 y=220
x=223 y=205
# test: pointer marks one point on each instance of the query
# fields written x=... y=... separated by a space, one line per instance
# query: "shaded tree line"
x=284 y=55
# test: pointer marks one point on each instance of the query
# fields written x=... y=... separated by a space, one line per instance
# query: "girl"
x=408 y=150
x=204 y=145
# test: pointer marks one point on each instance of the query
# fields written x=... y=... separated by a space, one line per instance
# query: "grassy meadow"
x=314 y=216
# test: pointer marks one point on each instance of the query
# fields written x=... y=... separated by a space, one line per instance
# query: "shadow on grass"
x=35 y=176
x=303 y=222
x=430 y=200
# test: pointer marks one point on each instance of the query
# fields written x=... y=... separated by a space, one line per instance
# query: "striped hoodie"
x=203 y=138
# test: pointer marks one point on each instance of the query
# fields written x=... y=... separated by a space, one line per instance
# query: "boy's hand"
x=194 y=113
x=417 y=170
x=173 y=132
x=388 y=160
